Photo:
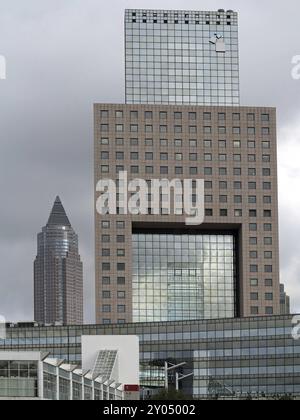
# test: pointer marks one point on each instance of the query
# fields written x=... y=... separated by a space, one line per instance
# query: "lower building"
x=285 y=301
x=227 y=357
x=32 y=375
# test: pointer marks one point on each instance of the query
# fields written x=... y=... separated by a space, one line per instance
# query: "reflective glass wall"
x=183 y=277
x=177 y=57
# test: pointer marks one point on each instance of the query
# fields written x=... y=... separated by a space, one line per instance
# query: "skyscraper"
x=58 y=277
x=155 y=268
x=183 y=120
x=182 y=57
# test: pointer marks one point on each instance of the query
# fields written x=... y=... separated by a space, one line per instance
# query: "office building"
x=154 y=267
x=227 y=357
x=285 y=301
x=182 y=57
x=58 y=278
x=33 y=375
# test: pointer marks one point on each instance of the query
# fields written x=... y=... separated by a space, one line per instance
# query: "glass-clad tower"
x=182 y=57
x=58 y=278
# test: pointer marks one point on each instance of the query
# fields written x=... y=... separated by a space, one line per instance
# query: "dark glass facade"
x=58 y=277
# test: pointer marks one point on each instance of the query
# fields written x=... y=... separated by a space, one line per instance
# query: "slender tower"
x=58 y=278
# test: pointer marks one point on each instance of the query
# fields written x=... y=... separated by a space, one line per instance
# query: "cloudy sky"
x=64 y=55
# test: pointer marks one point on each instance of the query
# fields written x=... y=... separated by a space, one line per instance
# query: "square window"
x=134 y=169
x=268 y=241
x=208 y=157
x=134 y=128
x=268 y=282
x=149 y=142
x=269 y=310
x=121 y=281
x=106 y=281
x=148 y=128
x=208 y=198
x=105 y=252
x=237 y=171
x=193 y=143
x=105 y=224
x=119 y=155
x=207 y=116
x=121 y=253
x=134 y=142
x=148 y=156
x=121 y=295
x=223 y=199
x=254 y=310
x=193 y=157
x=120 y=225
x=104 y=128
x=178 y=143
x=223 y=212
x=265 y=117
x=104 y=114
x=119 y=142
x=119 y=128
x=163 y=115
x=222 y=171
x=121 y=267
x=149 y=170
x=134 y=115
x=105 y=266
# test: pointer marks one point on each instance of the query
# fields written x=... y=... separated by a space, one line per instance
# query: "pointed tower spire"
x=58 y=215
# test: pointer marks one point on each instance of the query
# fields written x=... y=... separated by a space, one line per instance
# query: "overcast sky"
x=64 y=55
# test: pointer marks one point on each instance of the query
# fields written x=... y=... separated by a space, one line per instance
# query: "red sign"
x=131 y=388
